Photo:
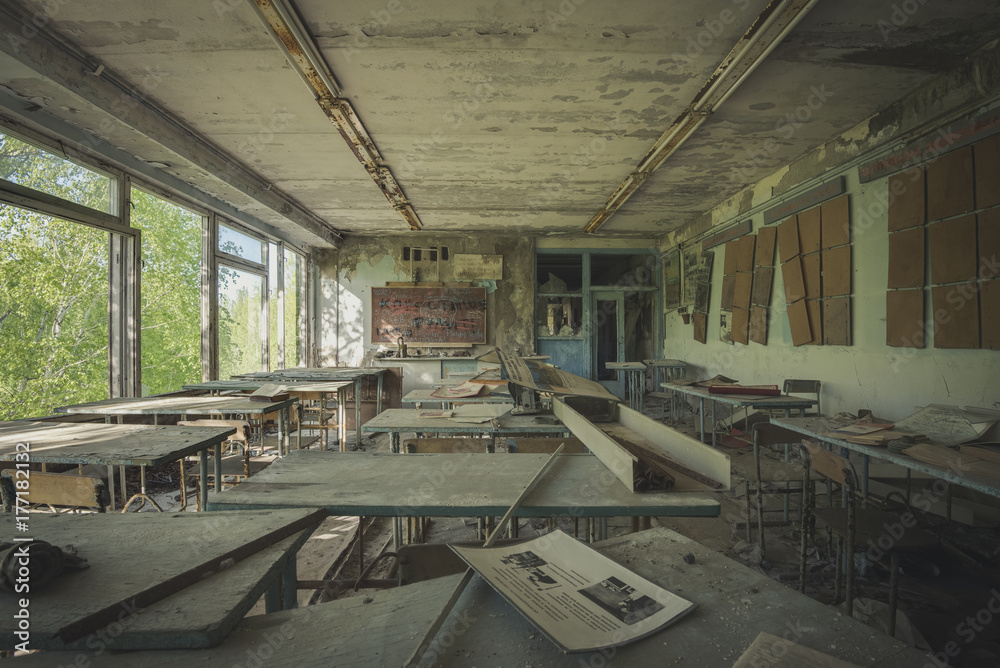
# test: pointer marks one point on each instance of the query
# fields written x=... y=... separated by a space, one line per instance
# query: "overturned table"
x=735 y=604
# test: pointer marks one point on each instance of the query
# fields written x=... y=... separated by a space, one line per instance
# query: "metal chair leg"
x=893 y=591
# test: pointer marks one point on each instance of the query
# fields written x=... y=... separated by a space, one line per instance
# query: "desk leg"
x=378 y=399
x=701 y=415
x=288 y=585
x=283 y=444
x=218 y=471
x=357 y=416
x=713 y=422
x=203 y=471
x=864 y=480
x=397 y=540
x=324 y=435
x=394 y=442
x=111 y=485
x=121 y=481
x=272 y=596
x=298 y=422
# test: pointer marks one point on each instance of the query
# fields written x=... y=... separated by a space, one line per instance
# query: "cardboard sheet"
x=989 y=296
x=949 y=184
x=906 y=199
x=906 y=258
x=788 y=239
x=945 y=425
x=766 y=237
x=956 y=315
x=809 y=230
x=732 y=252
x=744 y=286
x=837 y=321
x=904 y=318
x=814 y=309
x=811 y=276
x=952 y=246
x=836 y=222
x=989 y=243
x=741 y=323
x=758 y=325
x=547 y=378
x=987 y=157
x=744 y=259
x=837 y=271
x=700 y=321
x=763 y=277
x=728 y=292
x=798 y=322
x=580 y=599
x=791 y=274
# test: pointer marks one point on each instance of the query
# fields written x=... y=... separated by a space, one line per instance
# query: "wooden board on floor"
x=323 y=549
x=774 y=652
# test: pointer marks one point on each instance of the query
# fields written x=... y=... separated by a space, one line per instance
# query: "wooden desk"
x=302 y=389
x=450 y=485
x=128 y=553
x=635 y=381
x=354 y=375
x=111 y=444
x=396 y=421
x=735 y=603
x=819 y=428
x=784 y=402
x=419 y=397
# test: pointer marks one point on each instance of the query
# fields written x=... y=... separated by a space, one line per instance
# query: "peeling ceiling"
x=493 y=116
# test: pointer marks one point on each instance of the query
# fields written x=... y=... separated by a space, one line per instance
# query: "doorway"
x=608 y=309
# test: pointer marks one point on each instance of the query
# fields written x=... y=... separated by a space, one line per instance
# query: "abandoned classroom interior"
x=711 y=287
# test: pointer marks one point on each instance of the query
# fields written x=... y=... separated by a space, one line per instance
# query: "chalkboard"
x=429 y=315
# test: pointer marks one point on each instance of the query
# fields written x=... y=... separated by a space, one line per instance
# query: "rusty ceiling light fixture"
x=286 y=28
x=767 y=31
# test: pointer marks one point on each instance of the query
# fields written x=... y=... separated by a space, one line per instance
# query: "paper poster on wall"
x=469 y=266
x=697 y=272
x=433 y=315
x=672 y=280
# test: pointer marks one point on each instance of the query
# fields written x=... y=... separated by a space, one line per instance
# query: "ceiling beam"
x=57 y=61
x=288 y=31
x=764 y=34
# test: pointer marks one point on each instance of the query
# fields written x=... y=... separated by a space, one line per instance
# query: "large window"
x=53 y=313
x=171 y=290
x=241 y=321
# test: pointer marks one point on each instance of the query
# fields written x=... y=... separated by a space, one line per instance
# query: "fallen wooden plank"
x=619 y=461
x=960 y=463
x=321 y=552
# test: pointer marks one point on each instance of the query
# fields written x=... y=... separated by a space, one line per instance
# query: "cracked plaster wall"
x=347 y=276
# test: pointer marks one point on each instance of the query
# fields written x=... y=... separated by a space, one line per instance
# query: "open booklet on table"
x=576 y=596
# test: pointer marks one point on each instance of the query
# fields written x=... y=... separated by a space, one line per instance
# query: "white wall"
x=869 y=374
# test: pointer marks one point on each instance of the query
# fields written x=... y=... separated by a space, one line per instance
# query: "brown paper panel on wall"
x=765 y=246
x=732 y=256
x=906 y=258
x=837 y=271
x=728 y=291
x=956 y=315
x=809 y=230
x=989 y=297
x=987 y=154
x=762 y=278
x=741 y=321
x=949 y=184
x=814 y=308
x=906 y=199
x=904 y=318
x=798 y=322
x=791 y=274
x=744 y=285
x=836 y=222
x=788 y=239
x=745 y=256
x=758 y=324
x=837 y=321
x=952 y=245
x=811 y=275
x=700 y=321
x=989 y=243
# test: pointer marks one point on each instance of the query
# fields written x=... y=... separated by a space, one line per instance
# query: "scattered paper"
x=862 y=428
x=946 y=425
x=576 y=596
x=434 y=414
x=466 y=389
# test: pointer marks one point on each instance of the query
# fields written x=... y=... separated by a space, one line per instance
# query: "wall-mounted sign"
x=471 y=266
x=806 y=200
x=728 y=234
x=931 y=146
